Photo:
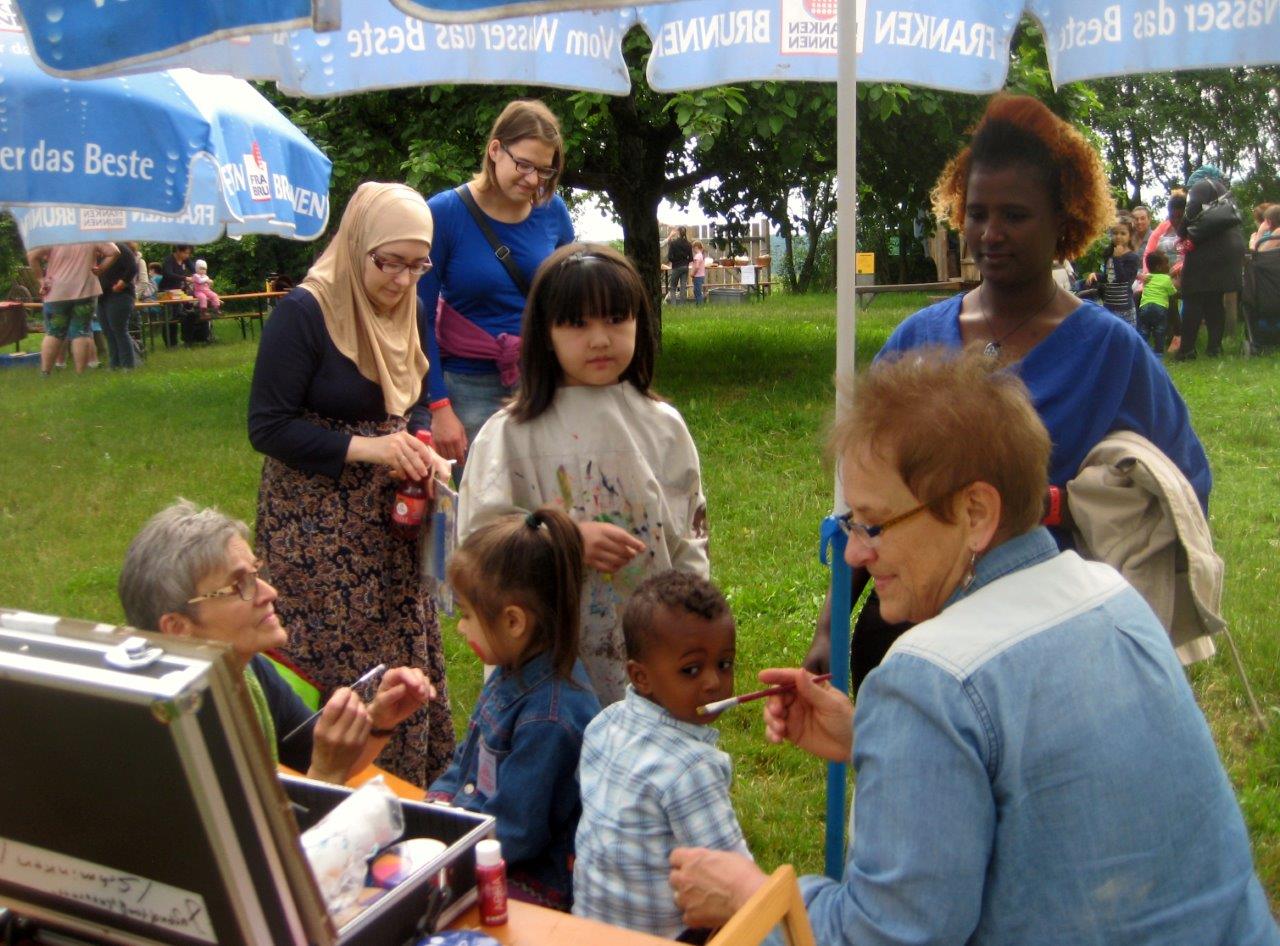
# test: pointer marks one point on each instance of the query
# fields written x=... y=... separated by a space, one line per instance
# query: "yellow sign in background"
x=865 y=264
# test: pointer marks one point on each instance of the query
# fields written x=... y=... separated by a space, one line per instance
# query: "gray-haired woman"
x=191 y=573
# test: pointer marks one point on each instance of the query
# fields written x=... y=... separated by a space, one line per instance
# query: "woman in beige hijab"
x=337 y=390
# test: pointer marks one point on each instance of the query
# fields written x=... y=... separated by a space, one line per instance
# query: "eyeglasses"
x=524 y=168
x=246 y=586
x=870 y=535
x=394 y=267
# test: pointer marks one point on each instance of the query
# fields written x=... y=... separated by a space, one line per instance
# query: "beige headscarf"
x=385 y=348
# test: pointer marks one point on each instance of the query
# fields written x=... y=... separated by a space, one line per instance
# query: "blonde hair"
x=521 y=120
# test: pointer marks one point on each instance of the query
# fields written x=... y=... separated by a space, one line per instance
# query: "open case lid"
x=140 y=803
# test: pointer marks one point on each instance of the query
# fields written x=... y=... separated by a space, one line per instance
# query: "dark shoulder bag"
x=1217 y=216
x=500 y=250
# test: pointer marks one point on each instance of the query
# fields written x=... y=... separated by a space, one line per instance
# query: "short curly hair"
x=672 y=588
x=1019 y=130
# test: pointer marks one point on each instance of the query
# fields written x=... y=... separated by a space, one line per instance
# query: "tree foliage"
x=1155 y=130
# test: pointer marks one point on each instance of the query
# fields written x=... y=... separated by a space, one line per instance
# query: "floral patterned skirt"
x=351 y=593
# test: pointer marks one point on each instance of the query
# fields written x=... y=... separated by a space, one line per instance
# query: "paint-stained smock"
x=606 y=454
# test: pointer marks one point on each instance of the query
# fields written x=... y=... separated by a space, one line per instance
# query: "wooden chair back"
x=778 y=901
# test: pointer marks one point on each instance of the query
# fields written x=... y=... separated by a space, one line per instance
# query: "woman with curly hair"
x=1026 y=191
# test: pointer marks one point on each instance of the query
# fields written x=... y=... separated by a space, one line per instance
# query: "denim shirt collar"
x=650 y=711
x=511 y=685
x=1023 y=551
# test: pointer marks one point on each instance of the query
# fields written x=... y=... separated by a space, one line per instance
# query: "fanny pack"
x=459 y=336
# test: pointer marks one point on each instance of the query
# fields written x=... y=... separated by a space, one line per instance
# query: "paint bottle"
x=410 y=505
x=491 y=880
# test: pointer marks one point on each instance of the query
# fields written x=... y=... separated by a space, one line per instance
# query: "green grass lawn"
x=86 y=460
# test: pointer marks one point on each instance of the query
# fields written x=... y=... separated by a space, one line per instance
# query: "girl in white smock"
x=585 y=433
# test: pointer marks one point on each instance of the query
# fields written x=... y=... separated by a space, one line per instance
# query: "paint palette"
x=394 y=865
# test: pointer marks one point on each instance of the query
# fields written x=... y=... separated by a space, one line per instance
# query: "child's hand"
x=1091 y=279
x=608 y=548
x=403 y=691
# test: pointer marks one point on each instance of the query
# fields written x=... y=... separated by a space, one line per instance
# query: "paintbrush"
x=719 y=706
x=364 y=678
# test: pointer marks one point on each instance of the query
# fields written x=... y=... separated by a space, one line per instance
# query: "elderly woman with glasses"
x=338 y=385
x=492 y=233
x=191 y=573
x=1031 y=763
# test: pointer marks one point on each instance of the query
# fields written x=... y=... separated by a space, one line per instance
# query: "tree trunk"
x=637 y=210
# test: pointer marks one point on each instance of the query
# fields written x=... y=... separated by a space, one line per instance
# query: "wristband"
x=1052 y=507
x=436 y=405
x=383 y=733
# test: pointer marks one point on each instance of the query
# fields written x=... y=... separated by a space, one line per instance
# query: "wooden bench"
x=869 y=293
x=158 y=314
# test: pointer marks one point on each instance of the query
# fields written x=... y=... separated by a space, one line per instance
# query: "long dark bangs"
x=580 y=281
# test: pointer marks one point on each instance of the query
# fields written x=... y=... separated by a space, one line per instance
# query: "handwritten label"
x=116 y=892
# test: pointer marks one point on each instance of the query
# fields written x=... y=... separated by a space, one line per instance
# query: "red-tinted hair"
x=1019 y=130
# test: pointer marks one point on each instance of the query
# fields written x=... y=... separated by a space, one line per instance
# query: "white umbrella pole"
x=846 y=323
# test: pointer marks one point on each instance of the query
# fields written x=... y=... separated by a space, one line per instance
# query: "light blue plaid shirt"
x=650 y=784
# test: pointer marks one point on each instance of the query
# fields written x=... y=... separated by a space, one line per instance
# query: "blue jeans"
x=678 y=276
x=114 y=310
x=476 y=398
x=698 y=283
x=1152 y=321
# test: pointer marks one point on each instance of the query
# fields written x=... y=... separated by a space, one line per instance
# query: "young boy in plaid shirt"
x=651 y=777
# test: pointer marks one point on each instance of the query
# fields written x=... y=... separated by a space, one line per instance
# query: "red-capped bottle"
x=491 y=883
x=410 y=506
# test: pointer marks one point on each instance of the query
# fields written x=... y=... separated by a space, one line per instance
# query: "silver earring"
x=970 y=573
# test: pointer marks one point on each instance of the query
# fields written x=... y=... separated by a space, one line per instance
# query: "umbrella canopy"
x=961 y=45
x=175 y=156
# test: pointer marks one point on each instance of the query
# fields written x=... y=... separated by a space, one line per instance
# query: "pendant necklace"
x=992 y=348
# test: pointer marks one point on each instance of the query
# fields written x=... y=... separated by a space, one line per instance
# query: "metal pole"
x=846 y=325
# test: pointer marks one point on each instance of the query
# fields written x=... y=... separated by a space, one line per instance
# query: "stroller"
x=1261 y=301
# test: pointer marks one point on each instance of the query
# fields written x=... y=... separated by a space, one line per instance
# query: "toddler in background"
x=1269 y=239
x=1119 y=269
x=698 y=270
x=1153 y=311
x=586 y=433
x=652 y=778
x=516 y=582
x=202 y=288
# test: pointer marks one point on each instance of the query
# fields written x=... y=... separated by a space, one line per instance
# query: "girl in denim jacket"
x=517 y=582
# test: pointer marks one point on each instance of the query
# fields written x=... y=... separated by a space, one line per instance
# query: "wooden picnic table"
x=161 y=313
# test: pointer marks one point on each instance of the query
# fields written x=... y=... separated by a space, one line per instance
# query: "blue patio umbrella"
x=167 y=156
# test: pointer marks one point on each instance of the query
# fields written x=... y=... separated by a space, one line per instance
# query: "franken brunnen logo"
x=809 y=27
x=255 y=170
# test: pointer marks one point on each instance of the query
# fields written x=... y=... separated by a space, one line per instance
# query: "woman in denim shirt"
x=1031 y=763
x=518 y=581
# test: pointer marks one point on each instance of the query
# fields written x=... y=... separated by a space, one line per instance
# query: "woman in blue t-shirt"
x=472 y=300
x=1027 y=191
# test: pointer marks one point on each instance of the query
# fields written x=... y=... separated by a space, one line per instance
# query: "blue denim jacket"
x=1032 y=768
x=519 y=764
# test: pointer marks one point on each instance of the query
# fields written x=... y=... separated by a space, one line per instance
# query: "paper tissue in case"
x=393 y=916
x=140 y=805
